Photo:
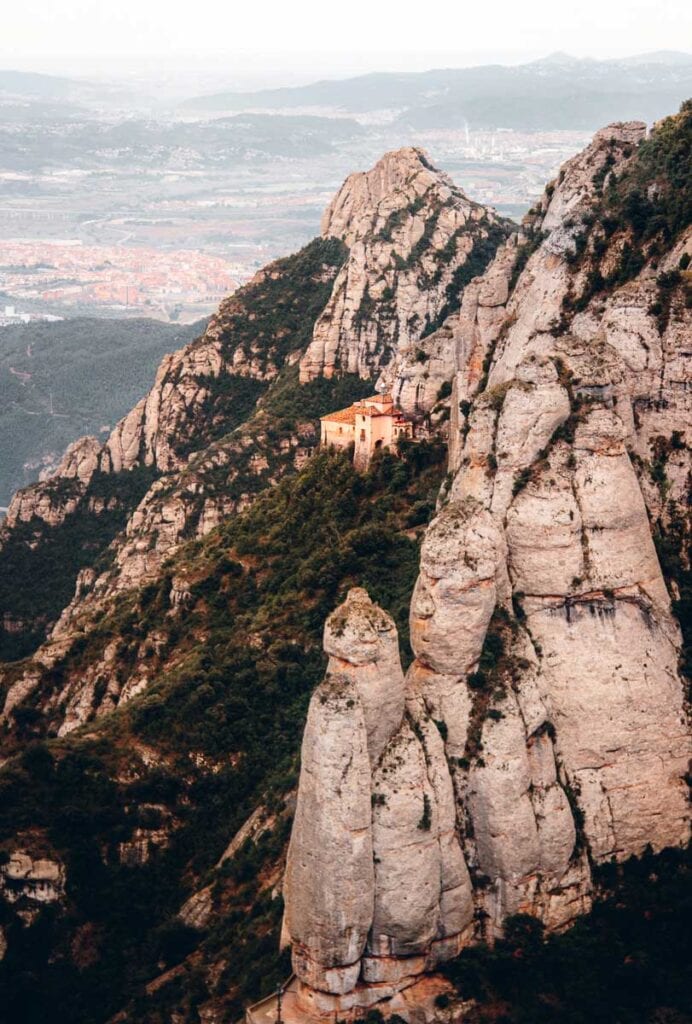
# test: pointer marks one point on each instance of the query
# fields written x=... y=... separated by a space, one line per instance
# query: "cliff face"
x=546 y=728
x=414 y=240
x=580 y=380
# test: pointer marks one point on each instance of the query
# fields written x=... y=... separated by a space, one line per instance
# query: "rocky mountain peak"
x=363 y=646
x=609 y=148
x=392 y=184
x=358 y=630
x=376 y=887
x=414 y=240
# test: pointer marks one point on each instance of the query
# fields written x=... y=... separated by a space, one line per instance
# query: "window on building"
x=362 y=435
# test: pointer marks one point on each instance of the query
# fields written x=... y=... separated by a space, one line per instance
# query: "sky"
x=298 y=39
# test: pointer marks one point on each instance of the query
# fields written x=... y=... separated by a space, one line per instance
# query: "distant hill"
x=60 y=94
x=558 y=91
x=217 y=143
x=228 y=138
x=92 y=370
x=31 y=83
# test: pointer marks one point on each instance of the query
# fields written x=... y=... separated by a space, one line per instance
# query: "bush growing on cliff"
x=649 y=205
x=625 y=962
x=39 y=563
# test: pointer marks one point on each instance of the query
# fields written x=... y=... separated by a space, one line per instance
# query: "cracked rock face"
x=407 y=853
x=454 y=352
x=457 y=588
x=609 y=678
x=545 y=448
x=329 y=886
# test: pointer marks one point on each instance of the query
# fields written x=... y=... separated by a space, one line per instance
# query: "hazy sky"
x=338 y=35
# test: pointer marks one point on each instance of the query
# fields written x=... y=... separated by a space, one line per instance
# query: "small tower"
x=379 y=424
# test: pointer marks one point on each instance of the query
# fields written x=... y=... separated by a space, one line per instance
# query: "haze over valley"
x=207 y=188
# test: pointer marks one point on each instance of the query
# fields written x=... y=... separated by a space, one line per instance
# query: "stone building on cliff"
x=368 y=425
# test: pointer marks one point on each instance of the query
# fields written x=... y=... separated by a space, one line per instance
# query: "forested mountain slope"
x=61 y=380
x=224 y=419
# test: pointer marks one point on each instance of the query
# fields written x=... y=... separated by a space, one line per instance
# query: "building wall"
x=368 y=433
x=372 y=432
x=338 y=434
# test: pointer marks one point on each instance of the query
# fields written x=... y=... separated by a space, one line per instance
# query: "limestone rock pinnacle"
x=363 y=646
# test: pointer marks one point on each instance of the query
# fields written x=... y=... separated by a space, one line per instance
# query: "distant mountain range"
x=73 y=96
x=558 y=91
x=31 y=83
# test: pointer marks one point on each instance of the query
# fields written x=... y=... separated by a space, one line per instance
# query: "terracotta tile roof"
x=341 y=416
x=364 y=408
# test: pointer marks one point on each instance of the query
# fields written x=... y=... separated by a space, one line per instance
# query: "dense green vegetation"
x=39 y=563
x=653 y=196
x=229 y=402
x=266 y=321
x=289 y=404
x=225 y=712
x=644 y=210
x=625 y=963
x=275 y=573
x=93 y=371
x=483 y=251
x=262 y=451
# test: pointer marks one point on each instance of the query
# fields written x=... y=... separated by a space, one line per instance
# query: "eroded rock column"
x=377 y=890
x=330 y=880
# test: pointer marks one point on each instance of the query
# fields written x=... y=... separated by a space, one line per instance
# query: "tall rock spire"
x=412 y=235
x=376 y=888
